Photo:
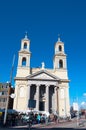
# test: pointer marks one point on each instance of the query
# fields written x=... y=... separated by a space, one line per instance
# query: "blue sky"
x=44 y=20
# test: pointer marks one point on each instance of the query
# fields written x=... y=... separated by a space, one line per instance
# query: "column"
x=28 y=94
x=55 y=99
x=57 y=94
x=47 y=99
x=58 y=100
x=37 y=97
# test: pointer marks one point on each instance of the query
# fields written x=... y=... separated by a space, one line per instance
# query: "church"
x=47 y=88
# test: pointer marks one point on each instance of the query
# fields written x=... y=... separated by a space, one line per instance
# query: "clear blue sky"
x=44 y=20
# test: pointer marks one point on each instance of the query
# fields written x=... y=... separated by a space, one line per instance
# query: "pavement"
x=72 y=124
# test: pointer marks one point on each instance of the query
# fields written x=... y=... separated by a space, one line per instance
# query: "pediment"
x=44 y=75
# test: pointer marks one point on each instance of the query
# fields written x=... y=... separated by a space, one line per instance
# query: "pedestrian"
x=55 y=118
x=38 y=118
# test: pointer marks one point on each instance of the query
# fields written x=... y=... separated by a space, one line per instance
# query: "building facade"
x=5 y=91
x=48 y=87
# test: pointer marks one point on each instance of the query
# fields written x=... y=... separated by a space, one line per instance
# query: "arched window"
x=24 y=61
x=60 y=64
x=21 y=92
x=60 y=48
x=25 y=45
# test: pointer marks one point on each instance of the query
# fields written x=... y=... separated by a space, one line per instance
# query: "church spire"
x=59 y=38
x=59 y=57
x=26 y=35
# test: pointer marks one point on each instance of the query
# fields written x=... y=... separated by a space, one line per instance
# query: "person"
x=55 y=118
x=43 y=119
x=38 y=118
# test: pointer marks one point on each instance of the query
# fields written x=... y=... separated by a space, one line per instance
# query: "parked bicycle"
x=29 y=123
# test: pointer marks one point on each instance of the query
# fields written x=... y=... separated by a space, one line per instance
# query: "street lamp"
x=5 y=114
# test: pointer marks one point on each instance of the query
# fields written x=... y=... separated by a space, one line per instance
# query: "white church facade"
x=49 y=88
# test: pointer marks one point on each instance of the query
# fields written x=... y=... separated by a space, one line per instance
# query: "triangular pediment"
x=44 y=75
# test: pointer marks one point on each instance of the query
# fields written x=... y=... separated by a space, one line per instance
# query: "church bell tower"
x=60 y=56
x=23 y=68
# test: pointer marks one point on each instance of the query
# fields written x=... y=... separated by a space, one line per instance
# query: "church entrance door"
x=41 y=106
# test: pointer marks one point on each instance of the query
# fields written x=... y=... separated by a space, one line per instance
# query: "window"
x=60 y=48
x=4 y=100
x=25 y=45
x=24 y=61
x=60 y=64
x=2 y=93
x=5 y=92
x=7 y=86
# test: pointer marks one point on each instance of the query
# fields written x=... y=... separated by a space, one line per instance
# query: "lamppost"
x=5 y=114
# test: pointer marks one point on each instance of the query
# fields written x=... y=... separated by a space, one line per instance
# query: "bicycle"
x=29 y=123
